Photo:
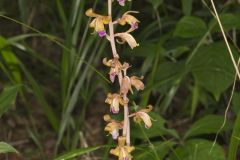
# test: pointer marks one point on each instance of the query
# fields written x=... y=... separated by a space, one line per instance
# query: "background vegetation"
x=52 y=77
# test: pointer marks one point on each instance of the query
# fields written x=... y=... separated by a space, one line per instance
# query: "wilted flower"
x=126 y=37
x=142 y=115
x=131 y=20
x=125 y=85
x=137 y=83
x=122 y=152
x=122 y=2
x=115 y=100
x=98 y=22
x=115 y=65
x=113 y=126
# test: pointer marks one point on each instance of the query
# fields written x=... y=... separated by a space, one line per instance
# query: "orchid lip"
x=134 y=25
x=147 y=127
x=112 y=77
x=115 y=134
x=121 y=2
x=102 y=33
x=114 y=111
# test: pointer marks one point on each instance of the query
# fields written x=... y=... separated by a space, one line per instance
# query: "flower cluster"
x=118 y=70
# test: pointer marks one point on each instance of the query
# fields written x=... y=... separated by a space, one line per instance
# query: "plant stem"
x=225 y=39
x=111 y=32
x=126 y=125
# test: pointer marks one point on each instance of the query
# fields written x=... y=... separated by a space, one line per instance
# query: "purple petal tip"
x=121 y=2
x=102 y=33
x=114 y=111
x=134 y=25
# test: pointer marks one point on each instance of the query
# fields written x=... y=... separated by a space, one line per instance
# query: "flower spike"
x=126 y=83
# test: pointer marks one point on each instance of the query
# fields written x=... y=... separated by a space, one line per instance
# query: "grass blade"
x=76 y=153
x=6 y=148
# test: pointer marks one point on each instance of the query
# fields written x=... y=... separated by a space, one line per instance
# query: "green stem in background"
x=234 y=142
x=146 y=95
x=150 y=143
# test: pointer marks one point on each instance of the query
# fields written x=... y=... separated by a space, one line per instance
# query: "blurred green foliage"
x=46 y=47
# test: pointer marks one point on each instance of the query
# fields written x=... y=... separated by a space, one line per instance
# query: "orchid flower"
x=142 y=115
x=98 y=22
x=122 y=151
x=122 y=2
x=113 y=126
x=126 y=37
x=115 y=65
x=115 y=100
x=127 y=84
x=129 y=19
x=137 y=83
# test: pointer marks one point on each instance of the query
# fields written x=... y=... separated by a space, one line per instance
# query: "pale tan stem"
x=111 y=31
x=126 y=125
x=128 y=132
x=225 y=39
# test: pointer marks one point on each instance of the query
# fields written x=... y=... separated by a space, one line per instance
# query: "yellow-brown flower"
x=142 y=115
x=115 y=69
x=126 y=37
x=137 y=83
x=122 y=151
x=113 y=126
x=129 y=19
x=127 y=84
x=115 y=100
x=98 y=22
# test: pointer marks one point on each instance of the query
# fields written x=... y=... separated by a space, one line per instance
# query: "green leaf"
x=76 y=153
x=144 y=153
x=190 y=27
x=9 y=59
x=6 y=148
x=158 y=128
x=228 y=20
x=206 y=125
x=199 y=149
x=38 y=92
x=7 y=98
x=213 y=69
x=187 y=7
